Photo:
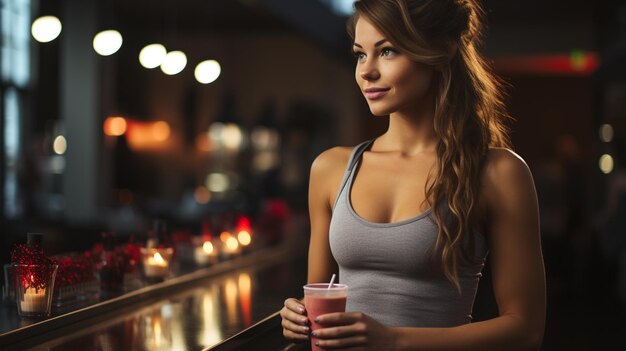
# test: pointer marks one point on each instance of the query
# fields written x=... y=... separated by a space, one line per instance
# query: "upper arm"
x=326 y=173
x=514 y=239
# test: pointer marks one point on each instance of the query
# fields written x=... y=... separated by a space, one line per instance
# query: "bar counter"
x=232 y=305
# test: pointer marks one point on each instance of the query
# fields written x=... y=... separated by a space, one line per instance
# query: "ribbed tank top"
x=392 y=270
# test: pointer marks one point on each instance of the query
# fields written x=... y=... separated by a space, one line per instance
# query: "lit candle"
x=244 y=232
x=205 y=254
x=244 y=238
x=34 y=300
x=155 y=266
x=231 y=246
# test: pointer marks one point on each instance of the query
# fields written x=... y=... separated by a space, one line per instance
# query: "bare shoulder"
x=505 y=177
x=331 y=161
x=503 y=162
x=326 y=174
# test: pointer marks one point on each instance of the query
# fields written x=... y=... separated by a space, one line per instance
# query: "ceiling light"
x=174 y=62
x=107 y=42
x=152 y=55
x=207 y=71
x=46 y=29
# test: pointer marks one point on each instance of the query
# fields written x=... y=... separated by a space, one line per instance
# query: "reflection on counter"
x=109 y=270
x=194 y=319
x=245 y=290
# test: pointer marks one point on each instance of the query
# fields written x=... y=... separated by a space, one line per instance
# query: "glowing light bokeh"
x=217 y=182
x=207 y=71
x=46 y=28
x=230 y=299
x=211 y=333
x=606 y=163
x=244 y=285
x=204 y=142
x=264 y=138
x=152 y=56
x=232 y=244
x=244 y=238
x=207 y=247
x=115 y=126
x=202 y=195
x=232 y=136
x=224 y=236
x=174 y=62
x=107 y=42
x=160 y=131
x=59 y=145
x=606 y=133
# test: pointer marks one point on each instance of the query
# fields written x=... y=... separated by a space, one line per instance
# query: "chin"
x=379 y=112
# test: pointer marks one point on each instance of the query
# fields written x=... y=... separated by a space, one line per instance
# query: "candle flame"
x=224 y=236
x=232 y=243
x=158 y=258
x=244 y=238
x=207 y=247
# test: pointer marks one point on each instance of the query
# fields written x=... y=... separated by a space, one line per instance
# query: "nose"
x=368 y=70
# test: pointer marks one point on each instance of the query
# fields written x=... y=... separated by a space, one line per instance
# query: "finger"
x=356 y=342
x=340 y=331
x=286 y=313
x=339 y=318
x=295 y=328
x=295 y=306
x=288 y=334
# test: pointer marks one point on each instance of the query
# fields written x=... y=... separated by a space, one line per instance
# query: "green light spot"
x=577 y=59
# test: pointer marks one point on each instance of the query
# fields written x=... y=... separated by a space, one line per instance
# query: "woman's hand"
x=295 y=322
x=352 y=331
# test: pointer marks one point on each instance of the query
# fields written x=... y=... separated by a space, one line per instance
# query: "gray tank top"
x=392 y=270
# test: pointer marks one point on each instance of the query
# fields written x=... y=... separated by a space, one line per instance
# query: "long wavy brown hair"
x=469 y=111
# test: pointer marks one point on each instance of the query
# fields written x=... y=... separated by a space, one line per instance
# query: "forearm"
x=506 y=332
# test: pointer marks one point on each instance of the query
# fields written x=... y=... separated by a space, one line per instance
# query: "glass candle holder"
x=8 y=289
x=244 y=237
x=205 y=253
x=34 y=289
x=156 y=262
x=230 y=245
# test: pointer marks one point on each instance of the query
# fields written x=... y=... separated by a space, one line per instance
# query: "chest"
x=406 y=249
x=390 y=189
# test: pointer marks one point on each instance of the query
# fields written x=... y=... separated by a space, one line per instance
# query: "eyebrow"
x=378 y=43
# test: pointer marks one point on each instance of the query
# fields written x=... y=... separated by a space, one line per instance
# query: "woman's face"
x=388 y=79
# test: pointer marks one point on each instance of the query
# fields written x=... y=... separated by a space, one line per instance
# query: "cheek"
x=357 y=78
x=417 y=83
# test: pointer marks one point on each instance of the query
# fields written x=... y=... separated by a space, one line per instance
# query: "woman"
x=408 y=218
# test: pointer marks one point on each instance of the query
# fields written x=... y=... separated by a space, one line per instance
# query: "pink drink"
x=318 y=300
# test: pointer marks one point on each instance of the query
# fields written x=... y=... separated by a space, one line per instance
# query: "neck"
x=410 y=132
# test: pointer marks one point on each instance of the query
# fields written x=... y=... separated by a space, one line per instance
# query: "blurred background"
x=114 y=113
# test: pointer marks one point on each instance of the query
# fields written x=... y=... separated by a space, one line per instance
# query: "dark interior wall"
x=257 y=68
x=545 y=109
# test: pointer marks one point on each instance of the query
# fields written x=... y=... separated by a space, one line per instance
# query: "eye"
x=358 y=55
x=388 y=51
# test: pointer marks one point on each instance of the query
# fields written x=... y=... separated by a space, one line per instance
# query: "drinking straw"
x=332 y=280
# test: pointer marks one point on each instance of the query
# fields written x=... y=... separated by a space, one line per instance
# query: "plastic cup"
x=319 y=299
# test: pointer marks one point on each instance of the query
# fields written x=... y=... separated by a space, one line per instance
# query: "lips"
x=375 y=93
